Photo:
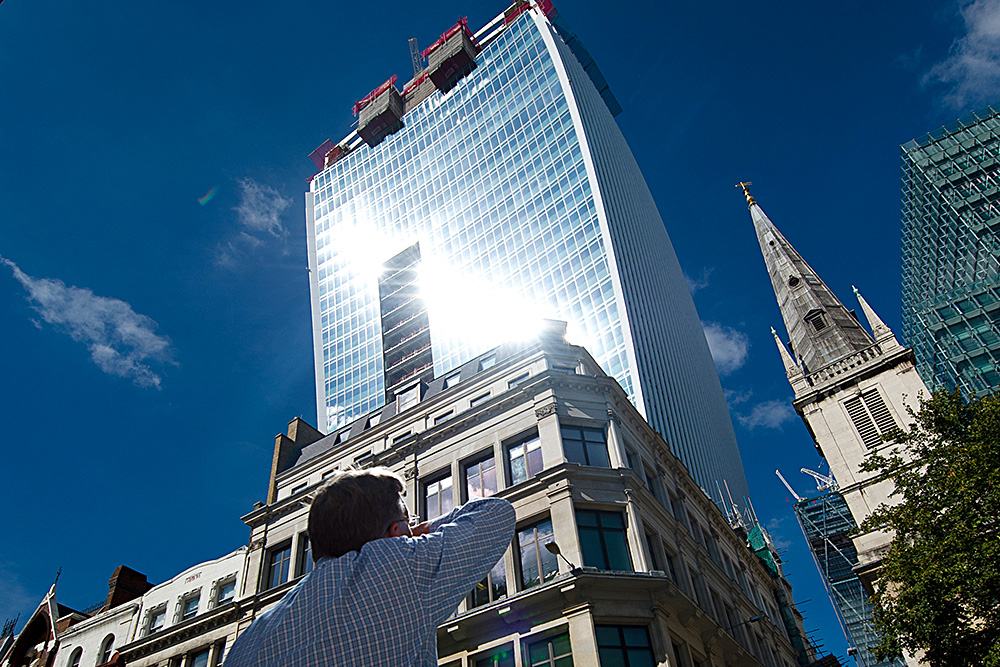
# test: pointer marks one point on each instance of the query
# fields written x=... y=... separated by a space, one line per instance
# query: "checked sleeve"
x=462 y=547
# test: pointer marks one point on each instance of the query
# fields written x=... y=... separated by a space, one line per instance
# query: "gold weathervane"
x=746 y=191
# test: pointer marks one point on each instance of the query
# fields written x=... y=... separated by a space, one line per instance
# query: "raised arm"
x=458 y=550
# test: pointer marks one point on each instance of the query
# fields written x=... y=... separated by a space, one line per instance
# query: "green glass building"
x=951 y=255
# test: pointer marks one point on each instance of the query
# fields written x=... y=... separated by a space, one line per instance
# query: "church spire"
x=880 y=330
x=791 y=368
x=820 y=329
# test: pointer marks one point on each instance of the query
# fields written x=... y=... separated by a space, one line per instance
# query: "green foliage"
x=939 y=590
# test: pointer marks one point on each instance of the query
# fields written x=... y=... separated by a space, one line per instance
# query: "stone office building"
x=652 y=572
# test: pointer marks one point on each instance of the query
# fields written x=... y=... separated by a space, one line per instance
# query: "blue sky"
x=152 y=344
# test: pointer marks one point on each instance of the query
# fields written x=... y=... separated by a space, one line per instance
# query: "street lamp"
x=553 y=548
x=749 y=620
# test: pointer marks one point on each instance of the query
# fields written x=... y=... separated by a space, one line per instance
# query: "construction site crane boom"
x=415 y=56
x=787 y=485
x=823 y=482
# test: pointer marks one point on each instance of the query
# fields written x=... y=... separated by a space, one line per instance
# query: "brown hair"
x=353 y=508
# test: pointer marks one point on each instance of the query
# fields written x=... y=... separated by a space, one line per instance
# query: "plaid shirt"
x=382 y=605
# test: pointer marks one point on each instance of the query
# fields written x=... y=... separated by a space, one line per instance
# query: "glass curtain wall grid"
x=827 y=524
x=526 y=203
x=951 y=254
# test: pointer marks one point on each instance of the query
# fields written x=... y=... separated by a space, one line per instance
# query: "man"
x=379 y=588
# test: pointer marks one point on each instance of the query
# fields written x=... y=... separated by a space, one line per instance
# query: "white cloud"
x=700 y=283
x=776 y=531
x=734 y=397
x=260 y=211
x=769 y=414
x=729 y=347
x=972 y=70
x=121 y=341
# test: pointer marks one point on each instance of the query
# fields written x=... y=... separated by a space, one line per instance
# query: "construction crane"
x=415 y=56
x=787 y=485
x=823 y=482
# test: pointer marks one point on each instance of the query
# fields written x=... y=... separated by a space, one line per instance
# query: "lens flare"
x=207 y=197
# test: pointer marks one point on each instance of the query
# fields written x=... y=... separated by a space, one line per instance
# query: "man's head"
x=355 y=507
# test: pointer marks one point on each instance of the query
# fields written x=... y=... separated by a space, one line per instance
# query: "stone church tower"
x=851 y=386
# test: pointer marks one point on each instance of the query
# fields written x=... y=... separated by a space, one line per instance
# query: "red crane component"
x=417 y=80
x=318 y=156
x=370 y=97
x=463 y=24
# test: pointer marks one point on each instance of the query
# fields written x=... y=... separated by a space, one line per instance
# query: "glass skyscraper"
x=951 y=254
x=827 y=524
x=512 y=195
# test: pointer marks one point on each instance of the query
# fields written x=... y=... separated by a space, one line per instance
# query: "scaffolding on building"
x=827 y=525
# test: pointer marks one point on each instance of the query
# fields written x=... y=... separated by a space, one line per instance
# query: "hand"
x=420 y=529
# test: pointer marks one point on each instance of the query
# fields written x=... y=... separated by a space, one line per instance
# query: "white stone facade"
x=687 y=583
x=189 y=621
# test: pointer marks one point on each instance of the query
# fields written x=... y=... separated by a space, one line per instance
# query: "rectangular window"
x=305 y=564
x=487 y=362
x=199 y=659
x=481 y=478
x=654 y=556
x=501 y=656
x=189 y=608
x=625 y=645
x=671 y=566
x=278 y=564
x=438 y=498
x=525 y=459
x=440 y=419
x=492 y=588
x=518 y=380
x=156 y=619
x=479 y=400
x=602 y=538
x=586 y=446
x=538 y=564
x=226 y=592
x=552 y=652
x=407 y=399
x=452 y=380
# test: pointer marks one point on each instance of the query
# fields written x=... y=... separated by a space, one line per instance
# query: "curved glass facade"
x=500 y=185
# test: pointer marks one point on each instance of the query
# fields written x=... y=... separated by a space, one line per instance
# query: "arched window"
x=74 y=657
x=106 y=646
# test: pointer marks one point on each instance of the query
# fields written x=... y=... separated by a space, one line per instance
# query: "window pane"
x=612 y=657
x=537 y=563
x=597 y=454
x=593 y=551
x=227 y=591
x=200 y=660
x=490 y=480
x=529 y=565
x=640 y=657
x=607 y=635
x=535 y=459
x=636 y=636
x=574 y=451
x=518 y=472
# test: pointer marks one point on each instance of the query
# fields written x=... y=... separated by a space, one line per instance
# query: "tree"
x=938 y=593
